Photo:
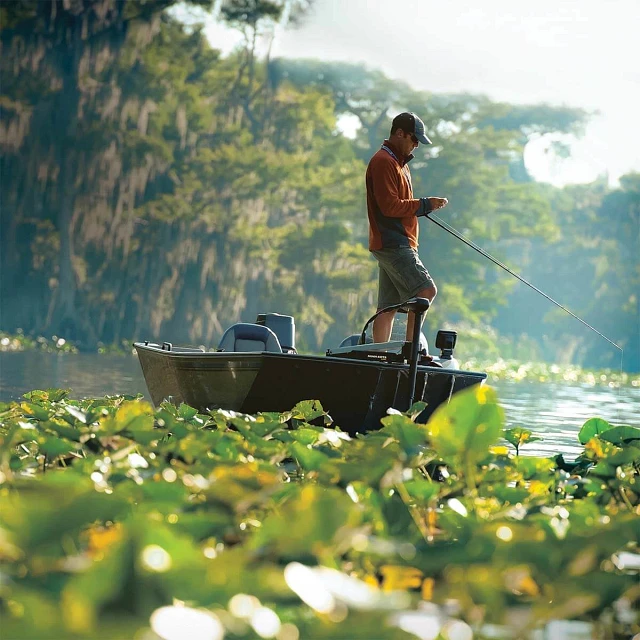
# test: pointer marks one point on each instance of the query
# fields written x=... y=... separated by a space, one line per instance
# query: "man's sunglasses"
x=413 y=138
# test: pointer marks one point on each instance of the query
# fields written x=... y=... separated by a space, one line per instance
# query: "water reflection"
x=87 y=375
x=556 y=412
x=553 y=411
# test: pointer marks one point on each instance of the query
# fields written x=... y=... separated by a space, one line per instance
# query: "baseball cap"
x=410 y=123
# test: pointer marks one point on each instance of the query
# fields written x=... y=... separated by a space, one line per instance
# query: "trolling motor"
x=419 y=307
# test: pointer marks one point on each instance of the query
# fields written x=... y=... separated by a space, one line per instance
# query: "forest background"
x=151 y=188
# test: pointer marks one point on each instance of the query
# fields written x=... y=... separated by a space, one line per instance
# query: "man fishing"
x=393 y=223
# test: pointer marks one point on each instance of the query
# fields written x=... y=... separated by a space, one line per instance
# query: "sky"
x=582 y=53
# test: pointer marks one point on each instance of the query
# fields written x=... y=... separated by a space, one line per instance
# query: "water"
x=555 y=412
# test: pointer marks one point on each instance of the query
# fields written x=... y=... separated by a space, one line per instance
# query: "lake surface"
x=555 y=412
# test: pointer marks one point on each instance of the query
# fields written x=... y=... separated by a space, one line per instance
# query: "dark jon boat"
x=256 y=368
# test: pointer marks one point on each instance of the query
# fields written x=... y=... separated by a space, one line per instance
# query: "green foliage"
x=462 y=431
x=21 y=342
x=596 y=244
x=519 y=436
x=155 y=189
x=592 y=428
x=118 y=518
x=523 y=371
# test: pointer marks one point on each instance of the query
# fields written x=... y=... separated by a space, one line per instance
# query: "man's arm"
x=385 y=190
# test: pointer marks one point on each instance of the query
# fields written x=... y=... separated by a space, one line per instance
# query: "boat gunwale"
x=261 y=355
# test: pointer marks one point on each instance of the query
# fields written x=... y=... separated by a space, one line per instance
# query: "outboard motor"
x=283 y=326
x=446 y=342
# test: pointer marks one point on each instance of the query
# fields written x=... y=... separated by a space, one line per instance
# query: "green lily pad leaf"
x=416 y=409
x=134 y=419
x=532 y=467
x=465 y=428
x=621 y=457
x=603 y=469
x=326 y=514
x=35 y=410
x=179 y=430
x=512 y=495
x=61 y=503
x=622 y=435
x=40 y=614
x=37 y=395
x=308 y=410
x=50 y=395
x=5 y=407
x=266 y=424
x=266 y=449
x=172 y=493
x=54 y=447
x=166 y=421
x=308 y=458
x=99 y=584
x=228 y=450
x=367 y=465
x=212 y=522
x=519 y=436
x=55 y=395
x=14 y=435
x=410 y=436
x=422 y=490
x=62 y=430
x=304 y=435
x=186 y=412
x=592 y=428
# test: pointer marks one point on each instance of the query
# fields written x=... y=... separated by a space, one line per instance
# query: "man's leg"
x=382 y=326
x=429 y=293
x=387 y=295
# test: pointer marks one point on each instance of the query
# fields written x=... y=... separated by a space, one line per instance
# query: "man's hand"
x=437 y=203
x=427 y=205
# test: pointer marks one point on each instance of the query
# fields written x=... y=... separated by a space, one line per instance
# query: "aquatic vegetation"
x=20 y=342
x=123 y=348
x=119 y=518
x=515 y=371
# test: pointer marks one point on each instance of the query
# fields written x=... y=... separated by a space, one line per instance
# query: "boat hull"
x=356 y=393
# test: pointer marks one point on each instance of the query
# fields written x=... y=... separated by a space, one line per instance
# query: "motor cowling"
x=283 y=326
x=446 y=342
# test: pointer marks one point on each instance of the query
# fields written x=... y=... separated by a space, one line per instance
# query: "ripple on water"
x=556 y=413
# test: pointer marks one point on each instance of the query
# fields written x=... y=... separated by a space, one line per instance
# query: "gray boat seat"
x=244 y=336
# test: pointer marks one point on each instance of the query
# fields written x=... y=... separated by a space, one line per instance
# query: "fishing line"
x=443 y=225
x=487 y=255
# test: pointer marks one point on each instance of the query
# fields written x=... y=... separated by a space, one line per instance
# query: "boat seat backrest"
x=244 y=336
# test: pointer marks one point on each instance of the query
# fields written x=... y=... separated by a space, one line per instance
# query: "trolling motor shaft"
x=419 y=307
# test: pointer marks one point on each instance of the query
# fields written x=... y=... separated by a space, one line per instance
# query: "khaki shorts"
x=402 y=275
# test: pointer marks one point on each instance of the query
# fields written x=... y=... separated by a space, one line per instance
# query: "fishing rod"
x=482 y=252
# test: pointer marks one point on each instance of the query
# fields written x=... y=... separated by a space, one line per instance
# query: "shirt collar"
x=402 y=159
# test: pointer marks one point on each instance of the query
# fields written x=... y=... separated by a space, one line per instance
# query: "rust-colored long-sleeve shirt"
x=390 y=203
